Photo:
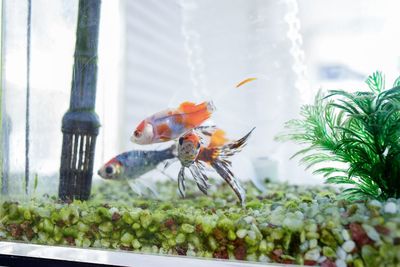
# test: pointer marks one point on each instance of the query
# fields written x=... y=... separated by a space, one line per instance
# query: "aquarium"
x=211 y=133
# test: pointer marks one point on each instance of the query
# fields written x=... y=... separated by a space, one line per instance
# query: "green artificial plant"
x=353 y=138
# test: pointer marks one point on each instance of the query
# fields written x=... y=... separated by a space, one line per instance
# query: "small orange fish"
x=171 y=123
x=245 y=81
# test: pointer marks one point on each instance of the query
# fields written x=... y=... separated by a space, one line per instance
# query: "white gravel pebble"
x=252 y=235
x=191 y=253
x=304 y=246
x=277 y=216
x=264 y=258
x=313 y=243
x=256 y=212
x=311 y=227
x=321 y=259
x=251 y=257
x=241 y=233
x=345 y=234
x=294 y=221
x=390 y=207
x=340 y=263
x=249 y=219
x=312 y=255
x=340 y=253
x=348 y=246
x=371 y=232
x=375 y=203
x=112 y=210
x=313 y=211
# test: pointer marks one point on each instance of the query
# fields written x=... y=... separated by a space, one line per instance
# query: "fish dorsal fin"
x=194 y=115
x=218 y=138
x=188 y=107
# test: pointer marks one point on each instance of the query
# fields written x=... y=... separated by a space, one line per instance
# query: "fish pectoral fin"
x=199 y=177
x=148 y=187
x=135 y=187
x=143 y=188
x=181 y=182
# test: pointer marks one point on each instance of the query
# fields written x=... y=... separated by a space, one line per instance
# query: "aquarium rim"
x=15 y=250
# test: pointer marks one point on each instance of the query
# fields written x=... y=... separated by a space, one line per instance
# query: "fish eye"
x=181 y=140
x=109 y=170
x=136 y=133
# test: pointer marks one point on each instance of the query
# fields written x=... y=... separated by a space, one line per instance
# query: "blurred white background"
x=156 y=54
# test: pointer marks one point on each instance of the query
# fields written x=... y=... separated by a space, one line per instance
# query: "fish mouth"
x=102 y=174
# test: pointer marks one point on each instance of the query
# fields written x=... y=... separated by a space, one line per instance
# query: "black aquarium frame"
x=24 y=261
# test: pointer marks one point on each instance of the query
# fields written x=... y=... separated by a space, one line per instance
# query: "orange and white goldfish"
x=192 y=154
x=171 y=123
x=133 y=164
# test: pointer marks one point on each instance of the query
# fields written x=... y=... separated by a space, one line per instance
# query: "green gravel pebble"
x=180 y=238
x=370 y=256
x=187 y=228
x=328 y=252
x=126 y=238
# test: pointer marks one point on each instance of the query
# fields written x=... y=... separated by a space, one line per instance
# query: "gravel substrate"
x=287 y=224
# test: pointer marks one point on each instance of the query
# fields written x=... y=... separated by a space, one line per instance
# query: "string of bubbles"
x=296 y=50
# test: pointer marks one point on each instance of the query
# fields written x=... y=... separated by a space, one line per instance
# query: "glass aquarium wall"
x=243 y=130
x=32 y=135
x=52 y=41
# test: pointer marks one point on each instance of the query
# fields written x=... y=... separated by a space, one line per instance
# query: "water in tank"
x=261 y=131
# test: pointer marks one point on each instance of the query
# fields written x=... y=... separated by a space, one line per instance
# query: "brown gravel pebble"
x=181 y=251
x=328 y=263
x=116 y=216
x=222 y=253
x=15 y=230
x=240 y=252
x=359 y=235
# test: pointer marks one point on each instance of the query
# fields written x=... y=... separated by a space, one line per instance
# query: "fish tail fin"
x=173 y=149
x=222 y=168
x=221 y=164
x=233 y=147
x=169 y=153
x=196 y=114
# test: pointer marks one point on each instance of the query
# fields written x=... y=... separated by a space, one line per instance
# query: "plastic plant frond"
x=358 y=131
